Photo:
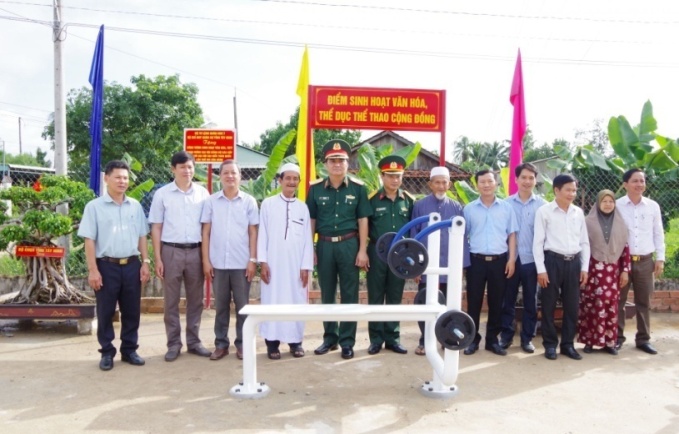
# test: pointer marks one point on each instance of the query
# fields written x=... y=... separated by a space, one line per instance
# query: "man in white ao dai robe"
x=285 y=253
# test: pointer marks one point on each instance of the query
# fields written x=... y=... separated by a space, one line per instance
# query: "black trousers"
x=490 y=274
x=564 y=281
x=121 y=286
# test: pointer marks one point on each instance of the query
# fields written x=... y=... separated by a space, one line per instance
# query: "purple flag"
x=97 y=118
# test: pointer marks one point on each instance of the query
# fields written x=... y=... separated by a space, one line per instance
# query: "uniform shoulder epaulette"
x=371 y=195
x=316 y=181
x=356 y=181
x=408 y=195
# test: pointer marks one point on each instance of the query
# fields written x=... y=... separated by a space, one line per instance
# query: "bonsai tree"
x=34 y=221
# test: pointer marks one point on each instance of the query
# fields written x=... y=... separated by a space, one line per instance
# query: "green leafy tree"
x=146 y=119
x=264 y=185
x=27 y=159
x=36 y=222
x=272 y=136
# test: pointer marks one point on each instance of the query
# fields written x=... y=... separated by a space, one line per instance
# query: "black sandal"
x=273 y=353
x=297 y=350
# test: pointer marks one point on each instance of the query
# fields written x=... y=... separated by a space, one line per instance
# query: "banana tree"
x=264 y=185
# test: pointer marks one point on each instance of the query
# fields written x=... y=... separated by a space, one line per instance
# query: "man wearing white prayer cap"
x=285 y=253
x=438 y=201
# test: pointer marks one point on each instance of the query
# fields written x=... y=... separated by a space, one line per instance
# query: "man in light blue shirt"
x=525 y=204
x=115 y=229
x=230 y=218
x=491 y=229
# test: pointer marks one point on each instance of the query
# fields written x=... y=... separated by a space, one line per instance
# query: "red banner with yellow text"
x=336 y=107
x=39 y=251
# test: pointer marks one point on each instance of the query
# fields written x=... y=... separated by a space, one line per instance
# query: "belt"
x=489 y=258
x=182 y=245
x=566 y=258
x=119 y=261
x=339 y=238
x=637 y=258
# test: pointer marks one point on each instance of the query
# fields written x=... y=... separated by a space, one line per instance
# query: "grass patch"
x=672 y=251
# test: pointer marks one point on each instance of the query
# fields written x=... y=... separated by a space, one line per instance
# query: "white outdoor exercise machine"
x=407 y=258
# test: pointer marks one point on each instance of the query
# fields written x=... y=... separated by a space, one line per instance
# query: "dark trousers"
x=383 y=288
x=480 y=274
x=338 y=260
x=525 y=275
x=121 y=286
x=564 y=280
x=229 y=284
x=182 y=265
x=421 y=298
x=642 y=280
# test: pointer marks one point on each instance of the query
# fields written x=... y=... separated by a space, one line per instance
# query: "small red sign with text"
x=376 y=108
x=210 y=146
x=40 y=251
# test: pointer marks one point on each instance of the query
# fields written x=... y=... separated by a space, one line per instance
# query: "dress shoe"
x=239 y=353
x=588 y=349
x=570 y=352
x=347 y=353
x=471 y=349
x=611 y=350
x=397 y=348
x=172 y=354
x=618 y=344
x=496 y=349
x=106 y=363
x=218 y=353
x=550 y=353
x=505 y=344
x=374 y=348
x=647 y=348
x=324 y=348
x=133 y=359
x=200 y=350
x=528 y=347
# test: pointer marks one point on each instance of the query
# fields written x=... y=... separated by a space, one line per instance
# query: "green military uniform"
x=383 y=285
x=336 y=212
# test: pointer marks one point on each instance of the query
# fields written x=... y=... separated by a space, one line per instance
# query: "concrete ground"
x=50 y=382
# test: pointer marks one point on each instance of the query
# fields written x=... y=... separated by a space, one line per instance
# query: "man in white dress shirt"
x=176 y=235
x=561 y=251
x=285 y=251
x=646 y=236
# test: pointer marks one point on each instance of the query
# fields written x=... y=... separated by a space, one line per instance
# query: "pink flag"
x=518 y=124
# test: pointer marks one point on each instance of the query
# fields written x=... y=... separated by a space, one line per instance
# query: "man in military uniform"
x=392 y=208
x=339 y=210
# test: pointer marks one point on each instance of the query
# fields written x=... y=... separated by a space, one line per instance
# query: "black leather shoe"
x=611 y=350
x=324 y=348
x=618 y=344
x=374 y=348
x=172 y=355
x=200 y=351
x=647 y=348
x=347 y=353
x=570 y=352
x=528 y=347
x=588 y=349
x=397 y=348
x=106 y=363
x=496 y=349
x=505 y=344
x=133 y=359
x=471 y=349
x=550 y=353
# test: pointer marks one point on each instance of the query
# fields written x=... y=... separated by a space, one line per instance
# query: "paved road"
x=50 y=382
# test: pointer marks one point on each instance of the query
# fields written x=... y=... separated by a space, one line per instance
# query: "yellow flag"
x=306 y=160
x=504 y=176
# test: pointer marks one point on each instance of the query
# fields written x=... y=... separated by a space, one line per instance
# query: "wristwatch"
x=147 y=261
x=253 y=260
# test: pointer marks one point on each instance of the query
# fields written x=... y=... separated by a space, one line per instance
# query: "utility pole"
x=20 y=136
x=58 y=36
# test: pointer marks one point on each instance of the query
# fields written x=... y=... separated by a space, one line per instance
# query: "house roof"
x=455 y=170
x=249 y=158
